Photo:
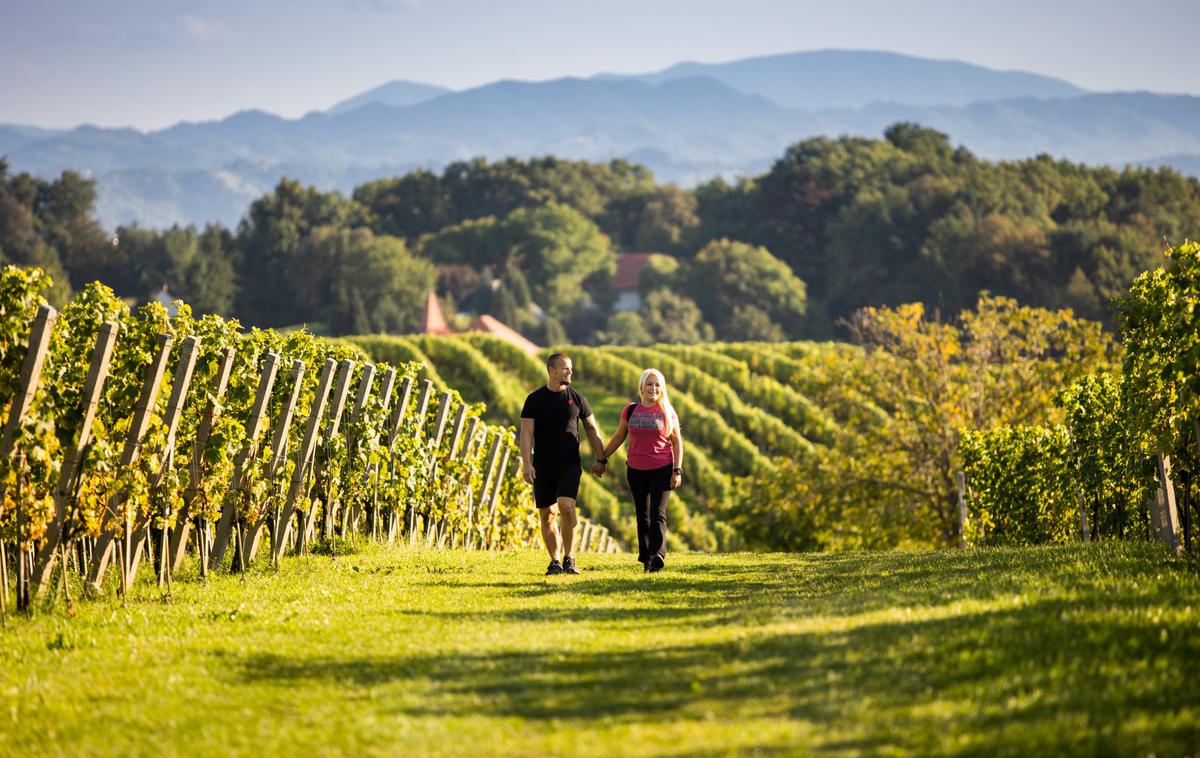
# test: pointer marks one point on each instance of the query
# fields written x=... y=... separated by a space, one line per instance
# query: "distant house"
x=433 y=321
x=625 y=281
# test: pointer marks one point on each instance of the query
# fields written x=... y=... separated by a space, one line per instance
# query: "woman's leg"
x=656 y=521
x=639 y=487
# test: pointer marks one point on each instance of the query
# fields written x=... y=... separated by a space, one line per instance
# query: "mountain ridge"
x=686 y=129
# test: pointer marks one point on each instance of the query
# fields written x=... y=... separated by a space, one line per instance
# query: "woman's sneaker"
x=568 y=565
x=554 y=568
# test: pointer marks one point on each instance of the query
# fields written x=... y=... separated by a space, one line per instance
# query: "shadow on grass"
x=1054 y=674
x=708 y=589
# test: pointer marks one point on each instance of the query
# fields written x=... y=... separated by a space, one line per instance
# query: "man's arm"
x=527 y=450
x=593 y=434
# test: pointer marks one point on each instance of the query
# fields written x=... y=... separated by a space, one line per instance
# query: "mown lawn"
x=1091 y=649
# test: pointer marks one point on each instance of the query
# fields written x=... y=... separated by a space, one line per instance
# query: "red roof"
x=432 y=320
x=629 y=268
x=496 y=328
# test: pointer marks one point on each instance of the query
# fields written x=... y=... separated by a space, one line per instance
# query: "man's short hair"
x=553 y=359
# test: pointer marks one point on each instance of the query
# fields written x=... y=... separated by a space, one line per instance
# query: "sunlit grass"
x=391 y=651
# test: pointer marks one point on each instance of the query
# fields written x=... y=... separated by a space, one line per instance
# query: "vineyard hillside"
x=744 y=408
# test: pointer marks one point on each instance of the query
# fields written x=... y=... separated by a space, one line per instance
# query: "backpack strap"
x=625 y=414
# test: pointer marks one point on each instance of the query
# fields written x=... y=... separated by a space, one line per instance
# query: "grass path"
x=1088 y=650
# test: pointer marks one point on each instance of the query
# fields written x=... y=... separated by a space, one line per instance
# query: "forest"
x=836 y=224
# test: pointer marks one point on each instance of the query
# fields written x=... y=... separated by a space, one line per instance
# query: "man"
x=550 y=457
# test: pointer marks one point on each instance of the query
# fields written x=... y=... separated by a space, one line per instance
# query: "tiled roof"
x=497 y=328
x=432 y=320
x=629 y=268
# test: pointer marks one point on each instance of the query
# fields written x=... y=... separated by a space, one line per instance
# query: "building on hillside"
x=625 y=280
x=433 y=321
x=497 y=328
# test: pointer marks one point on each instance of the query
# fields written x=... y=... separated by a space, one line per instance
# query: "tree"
x=919 y=383
x=479 y=243
x=380 y=286
x=661 y=219
x=269 y=241
x=558 y=249
x=624 y=328
x=671 y=317
x=727 y=275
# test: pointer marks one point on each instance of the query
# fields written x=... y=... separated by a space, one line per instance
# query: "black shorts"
x=549 y=484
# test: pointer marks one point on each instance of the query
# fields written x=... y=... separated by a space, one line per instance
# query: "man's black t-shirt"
x=556 y=418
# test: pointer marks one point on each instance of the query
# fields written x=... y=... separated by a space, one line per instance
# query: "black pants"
x=650 y=489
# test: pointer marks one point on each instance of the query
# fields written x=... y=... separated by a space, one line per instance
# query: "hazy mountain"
x=13 y=136
x=397 y=92
x=823 y=79
x=685 y=129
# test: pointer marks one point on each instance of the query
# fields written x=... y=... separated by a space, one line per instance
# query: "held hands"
x=528 y=473
x=598 y=469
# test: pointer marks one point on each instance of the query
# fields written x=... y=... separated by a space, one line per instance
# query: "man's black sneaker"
x=568 y=565
x=655 y=563
x=554 y=568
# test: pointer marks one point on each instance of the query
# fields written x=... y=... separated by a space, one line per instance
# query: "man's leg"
x=550 y=528
x=566 y=506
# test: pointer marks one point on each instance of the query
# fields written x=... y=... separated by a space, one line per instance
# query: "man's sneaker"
x=568 y=566
x=655 y=563
x=554 y=568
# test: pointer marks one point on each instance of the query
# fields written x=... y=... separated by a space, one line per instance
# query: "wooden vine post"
x=136 y=540
x=102 y=553
x=1168 y=514
x=197 y=467
x=495 y=496
x=960 y=483
x=245 y=459
x=385 y=399
x=485 y=488
x=283 y=515
x=395 y=424
x=31 y=372
x=93 y=386
x=418 y=432
x=357 y=408
x=337 y=405
x=279 y=439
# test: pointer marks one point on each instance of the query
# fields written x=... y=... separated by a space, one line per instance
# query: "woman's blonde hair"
x=663 y=402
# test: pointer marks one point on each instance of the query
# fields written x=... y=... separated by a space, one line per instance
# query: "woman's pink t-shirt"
x=649 y=447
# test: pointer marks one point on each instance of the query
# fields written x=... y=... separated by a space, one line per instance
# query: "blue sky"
x=151 y=63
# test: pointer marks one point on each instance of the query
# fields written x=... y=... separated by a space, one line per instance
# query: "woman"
x=654 y=462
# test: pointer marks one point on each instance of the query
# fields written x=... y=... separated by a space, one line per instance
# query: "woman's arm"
x=617 y=438
x=676 y=456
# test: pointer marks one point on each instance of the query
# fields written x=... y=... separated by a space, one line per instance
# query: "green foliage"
x=367 y=466
x=1114 y=477
x=1023 y=486
x=744 y=291
x=1161 y=334
x=667 y=316
x=274 y=263
x=398 y=351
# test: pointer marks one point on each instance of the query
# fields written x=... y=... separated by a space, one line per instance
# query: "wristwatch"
x=602 y=461
x=677 y=470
